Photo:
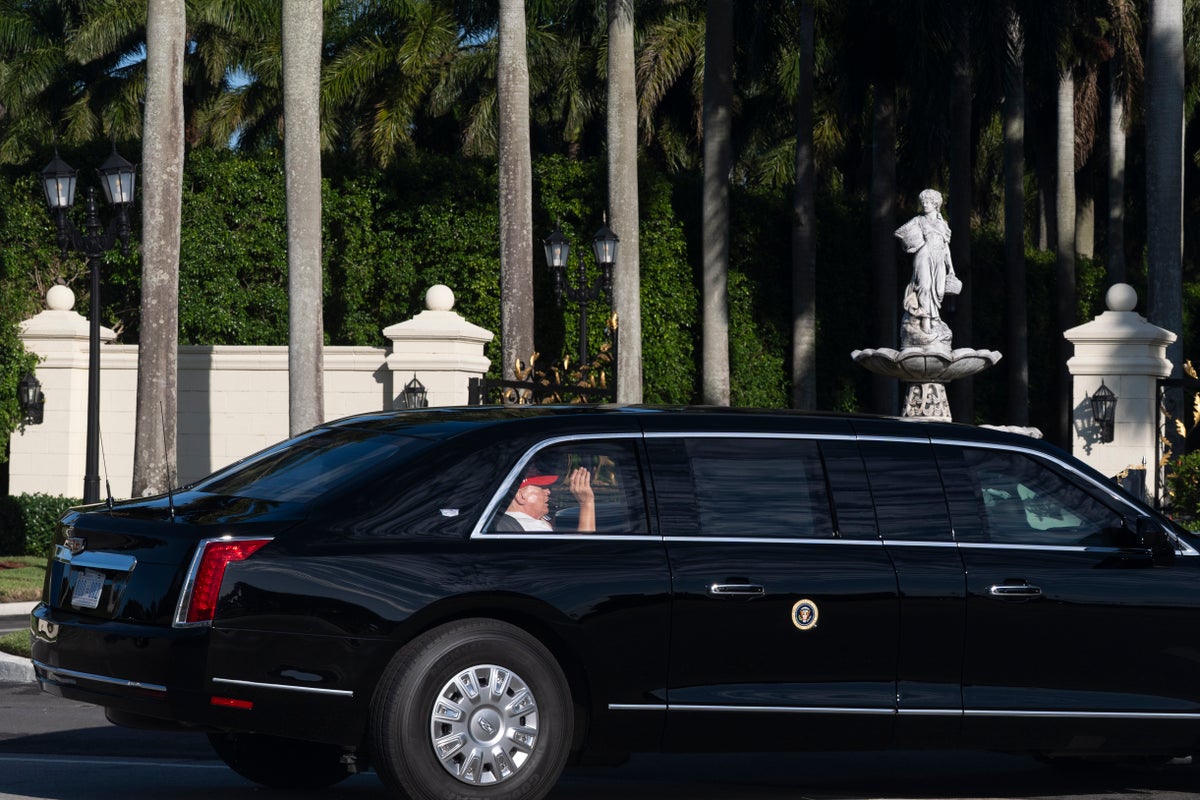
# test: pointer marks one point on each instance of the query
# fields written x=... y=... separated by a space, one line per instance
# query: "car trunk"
x=129 y=563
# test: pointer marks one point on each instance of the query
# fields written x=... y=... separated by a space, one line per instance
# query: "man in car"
x=530 y=506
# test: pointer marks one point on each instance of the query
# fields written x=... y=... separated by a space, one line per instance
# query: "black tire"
x=280 y=763
x=515 y=727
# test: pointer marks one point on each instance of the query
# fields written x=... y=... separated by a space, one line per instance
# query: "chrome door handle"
x=1015 y=591
x=737 y=589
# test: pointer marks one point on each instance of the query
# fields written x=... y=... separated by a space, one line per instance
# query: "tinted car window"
x=304 y=468
x=615 y=478
x=909 y=501
x=1028 y=502
x=743 y=487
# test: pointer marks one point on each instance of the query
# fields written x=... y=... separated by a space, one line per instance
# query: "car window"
x=544 y=496
x=753 y=487
x=1027 y=502
x=910 y=503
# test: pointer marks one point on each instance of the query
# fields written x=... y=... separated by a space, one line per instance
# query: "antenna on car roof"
x=108 y=499
x=162 y=417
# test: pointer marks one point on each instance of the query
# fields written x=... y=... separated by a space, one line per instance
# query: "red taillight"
x=231 y=702
x=216 y=556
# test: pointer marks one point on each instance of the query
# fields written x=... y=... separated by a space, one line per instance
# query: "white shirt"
x=530 y=523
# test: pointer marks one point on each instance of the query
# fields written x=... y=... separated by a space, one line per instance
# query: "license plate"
x=88 y=587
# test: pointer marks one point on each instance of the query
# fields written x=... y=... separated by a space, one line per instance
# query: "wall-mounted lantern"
x=1104 y=411
x=31 y=399
x=414 y=394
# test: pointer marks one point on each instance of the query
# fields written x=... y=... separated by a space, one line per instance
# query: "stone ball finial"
x=60 y=298
x=1121 y=297
x=439 y=298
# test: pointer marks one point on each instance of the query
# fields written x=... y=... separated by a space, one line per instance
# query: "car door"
x=782 y=628
x=1078 y=637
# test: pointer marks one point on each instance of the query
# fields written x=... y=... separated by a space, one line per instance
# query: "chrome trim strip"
x=53 y=672
x=913 y=712
x=1088 y=714
x=559 y=537
x=917 y=543
x=787 y=710
x=727 y=434
x=770 y=540
x=1061 y=548
x=286 y=687
x=95 y=559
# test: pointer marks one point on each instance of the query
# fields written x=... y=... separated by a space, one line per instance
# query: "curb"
x=17 y=609
x=14 y=669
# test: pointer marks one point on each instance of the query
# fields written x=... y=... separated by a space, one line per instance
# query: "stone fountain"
x=926 y=359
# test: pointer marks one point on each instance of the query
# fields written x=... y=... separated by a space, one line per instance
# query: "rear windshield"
x=302 y=469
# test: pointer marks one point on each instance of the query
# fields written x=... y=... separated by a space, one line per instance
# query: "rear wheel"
x=280 y=763
x=475 y=709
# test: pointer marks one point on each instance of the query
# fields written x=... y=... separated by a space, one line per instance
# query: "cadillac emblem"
x=804 y=615
x=76 y=544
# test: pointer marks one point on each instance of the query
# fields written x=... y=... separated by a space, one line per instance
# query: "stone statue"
x=928 y=237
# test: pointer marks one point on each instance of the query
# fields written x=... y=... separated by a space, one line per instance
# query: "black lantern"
x=1104 y=411
x=117 y=180
x=414 y=394
x=31 y=399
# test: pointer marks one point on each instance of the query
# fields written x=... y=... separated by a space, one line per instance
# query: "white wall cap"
x=61 y=324
x=438 y=325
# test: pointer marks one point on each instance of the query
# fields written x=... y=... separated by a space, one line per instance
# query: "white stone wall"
x=233 y=400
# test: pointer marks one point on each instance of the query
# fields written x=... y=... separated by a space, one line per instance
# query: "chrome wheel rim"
x=484 y=725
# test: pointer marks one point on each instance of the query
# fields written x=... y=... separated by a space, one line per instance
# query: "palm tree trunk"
x=302 y=40
x=154 y=459
x=961 y=392
x=1017 y=344
x=516 y=191
x=1164 y=187
x=718 y=114
x=885 y=391
x=1064 y=215
x=1116 y=182
x=623 y=198
x=804 y=233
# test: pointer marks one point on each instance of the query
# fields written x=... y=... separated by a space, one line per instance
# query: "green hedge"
x=29 y=523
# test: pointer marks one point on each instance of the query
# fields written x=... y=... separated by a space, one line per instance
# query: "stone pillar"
x=1129 y=355
x=440 y=348
x=51 y=456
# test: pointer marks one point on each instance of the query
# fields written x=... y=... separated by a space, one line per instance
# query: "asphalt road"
x=55 y=749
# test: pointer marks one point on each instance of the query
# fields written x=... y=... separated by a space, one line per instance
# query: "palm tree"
x=516 y=192
x=1164 y=177
x=1016 y=351
x=804 y=223
x=623 y=198
x=302 y=29
x=718 y=147
x=154 y=460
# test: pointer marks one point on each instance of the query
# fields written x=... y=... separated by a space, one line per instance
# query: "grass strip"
x=21 y=578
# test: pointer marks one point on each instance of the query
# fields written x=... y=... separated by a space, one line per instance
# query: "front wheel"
x=280 y=763
x=474 y=709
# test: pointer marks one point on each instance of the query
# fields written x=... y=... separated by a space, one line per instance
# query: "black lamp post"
x=1104 y=411
x=31 y=399
x=117 y=181
x=414 y=395
x=604 y=248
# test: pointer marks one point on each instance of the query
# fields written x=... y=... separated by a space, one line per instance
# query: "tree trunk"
x=1064 y=247
x=302 y=41
x=885 y=331
x=516 y=192
x=1164 y=187
x=804 y=233
x=154 y=452
x=961 y=392
x=623 y=198
x=718 y=124
x=1016 y=351
x=1116 y=182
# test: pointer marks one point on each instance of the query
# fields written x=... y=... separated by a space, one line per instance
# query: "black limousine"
x=466 y=600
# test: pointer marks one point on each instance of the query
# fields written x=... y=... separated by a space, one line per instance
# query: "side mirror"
x=1155 y=537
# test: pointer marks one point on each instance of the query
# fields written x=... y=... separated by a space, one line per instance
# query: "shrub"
x=1183 y=483
x=29 y=523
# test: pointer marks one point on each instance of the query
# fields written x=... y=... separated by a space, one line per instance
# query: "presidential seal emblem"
x=804 y=614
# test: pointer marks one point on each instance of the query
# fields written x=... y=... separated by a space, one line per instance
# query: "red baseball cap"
x=537 y=480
